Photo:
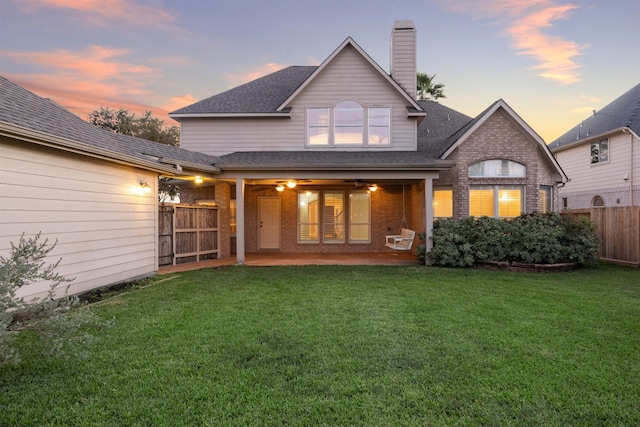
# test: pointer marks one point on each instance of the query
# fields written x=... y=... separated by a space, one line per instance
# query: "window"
x=379 y=125
x=443 y=203
x=359 y=217
x=546 y=198
x=497 y=169
x=333 y=217
x=600 y=151
x=500 y=201
x=565 y=203
x=308 y=217
x=597 y=202
x=318 y=126
x=349 y=123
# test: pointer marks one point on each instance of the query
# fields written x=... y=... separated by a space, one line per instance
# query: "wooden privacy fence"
x=619 y=232
x=187 y=234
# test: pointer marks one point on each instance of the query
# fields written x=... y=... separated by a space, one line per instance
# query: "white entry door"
x=269 y=222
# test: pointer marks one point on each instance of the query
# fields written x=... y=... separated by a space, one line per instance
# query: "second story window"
x=600 y=151
x=349 y=123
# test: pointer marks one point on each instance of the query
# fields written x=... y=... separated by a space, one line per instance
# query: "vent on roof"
x=594 y=113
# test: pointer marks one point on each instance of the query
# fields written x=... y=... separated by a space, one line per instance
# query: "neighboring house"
x=601 y=156
x=92 y=191
x=361 y=157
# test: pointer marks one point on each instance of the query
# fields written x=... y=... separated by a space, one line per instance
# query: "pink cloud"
x=103 y=13
x=525 y=23
x=85 y=80
x=176 y=102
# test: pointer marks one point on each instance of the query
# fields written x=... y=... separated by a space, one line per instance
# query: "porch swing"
x=404 y=240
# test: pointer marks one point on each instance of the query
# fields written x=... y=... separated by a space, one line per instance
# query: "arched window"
x=597 y=202
x=498 y=168
x=348 y=123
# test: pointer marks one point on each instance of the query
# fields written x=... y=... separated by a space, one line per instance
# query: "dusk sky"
x=552 y=61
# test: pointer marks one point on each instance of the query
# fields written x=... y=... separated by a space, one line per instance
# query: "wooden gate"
x=187 y=233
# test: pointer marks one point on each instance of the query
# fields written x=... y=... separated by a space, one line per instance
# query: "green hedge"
x=533 y=239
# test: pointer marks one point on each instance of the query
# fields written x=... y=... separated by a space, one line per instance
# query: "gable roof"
x=442 y=145
x=28 y=117
x=270 y=95
x=623 y=112
x=350 y=42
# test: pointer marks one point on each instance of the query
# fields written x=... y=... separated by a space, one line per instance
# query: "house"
x=92 y=191
x=601 y=155
x=332 y=158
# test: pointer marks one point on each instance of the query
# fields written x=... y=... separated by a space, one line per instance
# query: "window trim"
x=309 y=224
x=351 y=223
x=324 y=219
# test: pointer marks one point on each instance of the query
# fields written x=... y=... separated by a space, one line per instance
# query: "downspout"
x=626 y=130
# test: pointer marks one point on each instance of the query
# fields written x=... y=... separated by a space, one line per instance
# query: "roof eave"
x=28 y=135
x=436 y=165
x=277 y=114
x=586 y=140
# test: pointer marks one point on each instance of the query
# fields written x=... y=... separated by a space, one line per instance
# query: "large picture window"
x=349 y=123
x=359 y=217
x=498 y=201
x=308 y=217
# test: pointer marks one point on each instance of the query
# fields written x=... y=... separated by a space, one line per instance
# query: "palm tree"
x=427 y=89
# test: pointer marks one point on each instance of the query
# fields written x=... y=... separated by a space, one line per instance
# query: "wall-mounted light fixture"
x=145 y=188
x=280 y=187
x=373 y=187
x=199 y=180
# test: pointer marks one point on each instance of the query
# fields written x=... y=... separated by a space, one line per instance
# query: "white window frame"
x=504 y=169
x=353 y=223
x=309 y=223
x=337 y=223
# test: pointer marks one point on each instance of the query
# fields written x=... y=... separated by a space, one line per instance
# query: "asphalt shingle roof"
x=263 y=95
x=435 y=131
x=20 y=107
x=624 y=111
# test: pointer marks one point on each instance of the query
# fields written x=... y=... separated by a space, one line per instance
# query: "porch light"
x=280 y=187
x=373 y=187
x=199 y=180
x=291 y=184
x=145 y=188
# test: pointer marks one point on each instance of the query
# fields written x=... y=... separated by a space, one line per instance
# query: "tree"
x=427 y=89
x=60 y=331
x=145 y=127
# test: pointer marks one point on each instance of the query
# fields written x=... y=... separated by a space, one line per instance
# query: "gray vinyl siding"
x=348 y=77
x=105 y=232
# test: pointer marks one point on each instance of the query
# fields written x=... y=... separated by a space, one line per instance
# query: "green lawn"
x=349 y=345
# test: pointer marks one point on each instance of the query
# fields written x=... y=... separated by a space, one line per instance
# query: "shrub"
x=533 y=239
x=60 y=330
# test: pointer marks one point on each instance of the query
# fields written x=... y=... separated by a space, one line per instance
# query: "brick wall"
x=498 y=138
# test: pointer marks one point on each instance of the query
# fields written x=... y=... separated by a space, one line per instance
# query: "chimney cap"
x=404 y=25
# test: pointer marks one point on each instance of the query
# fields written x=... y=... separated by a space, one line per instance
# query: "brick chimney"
x=403 y=56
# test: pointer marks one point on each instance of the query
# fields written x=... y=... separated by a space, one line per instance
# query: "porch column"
x=240 y=221
x=428 y=209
